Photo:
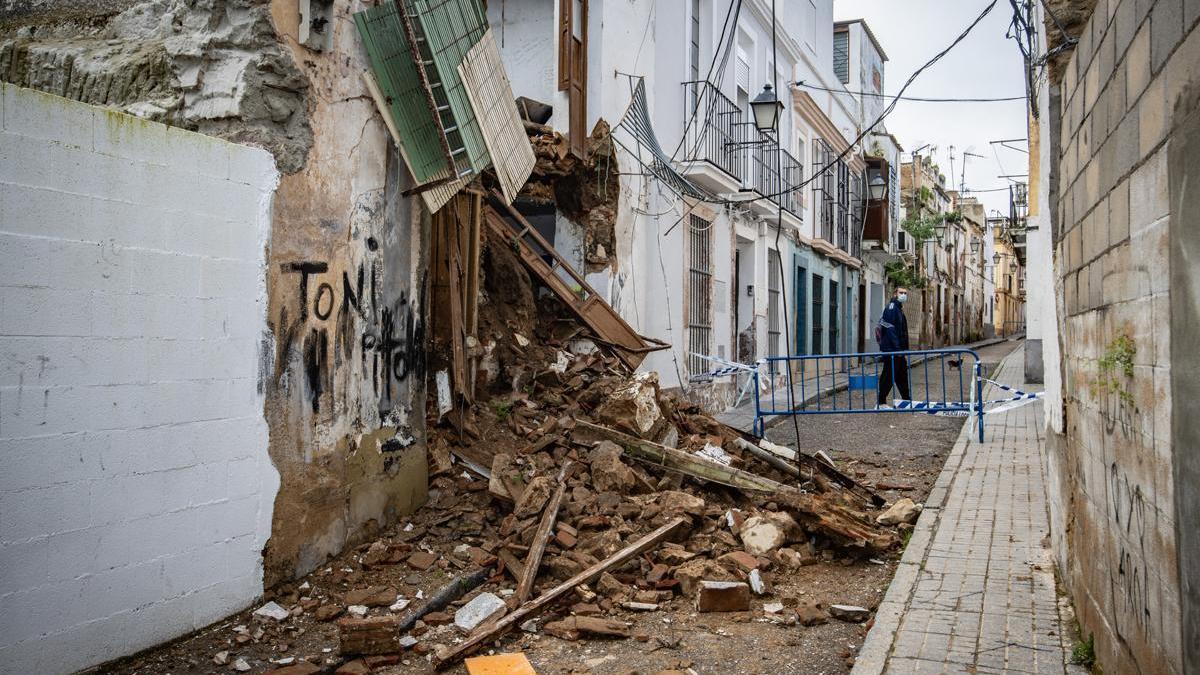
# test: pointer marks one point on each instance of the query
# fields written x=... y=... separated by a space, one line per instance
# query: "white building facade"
x=762 y=262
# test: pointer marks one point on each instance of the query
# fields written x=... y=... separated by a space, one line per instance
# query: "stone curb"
x=873 y=656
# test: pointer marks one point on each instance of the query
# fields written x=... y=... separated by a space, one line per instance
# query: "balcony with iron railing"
x=724 y=152
x=714 y=139
x=773 y=173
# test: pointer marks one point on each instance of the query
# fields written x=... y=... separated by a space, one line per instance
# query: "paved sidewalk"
x=742 y=417
x=975 y=589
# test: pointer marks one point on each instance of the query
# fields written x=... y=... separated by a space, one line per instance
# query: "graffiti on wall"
x=1128 y=579
x=338 y=317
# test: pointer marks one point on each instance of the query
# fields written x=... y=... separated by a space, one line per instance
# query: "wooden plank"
x=534 y=561
x=591 y=308
x=492 y=631
x=683 y=462
x=512 y=564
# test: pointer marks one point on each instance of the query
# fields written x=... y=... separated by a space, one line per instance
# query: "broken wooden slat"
x=493 y=631
x=475 y=460
x=512 y=563
x=582 y=299
x=368 y=636
x=683 y=462
x=538 y=547
x=839 y=523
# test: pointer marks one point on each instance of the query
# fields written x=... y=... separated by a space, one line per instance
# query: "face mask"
x=903 y=297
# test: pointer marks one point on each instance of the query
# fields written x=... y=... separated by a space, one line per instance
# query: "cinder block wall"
x=1119 y=96
x=136 y=491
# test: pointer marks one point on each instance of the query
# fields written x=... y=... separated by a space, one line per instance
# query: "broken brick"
x=422 y=560
x=723 y=596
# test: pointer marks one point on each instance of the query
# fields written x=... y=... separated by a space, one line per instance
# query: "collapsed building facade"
x=263 y=264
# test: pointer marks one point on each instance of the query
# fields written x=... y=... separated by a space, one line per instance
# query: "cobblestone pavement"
x=975 y=590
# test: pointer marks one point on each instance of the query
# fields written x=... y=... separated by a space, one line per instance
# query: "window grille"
x=824 y=189
x=833 y=317
x=774 y=322
x=818 y=309
x=801 y=305
x=699 y=291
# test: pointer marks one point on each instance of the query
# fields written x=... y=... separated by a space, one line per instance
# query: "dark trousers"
x=895 y=369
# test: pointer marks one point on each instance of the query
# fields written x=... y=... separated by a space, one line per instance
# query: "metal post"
x=979 y=395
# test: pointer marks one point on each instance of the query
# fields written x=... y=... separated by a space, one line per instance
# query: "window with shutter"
x=572 y=68
x=564 y=44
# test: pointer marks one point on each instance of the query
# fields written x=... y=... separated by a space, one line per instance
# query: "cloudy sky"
x=986 y=64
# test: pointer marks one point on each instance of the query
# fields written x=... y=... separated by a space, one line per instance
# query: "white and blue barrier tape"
x=1018 y=399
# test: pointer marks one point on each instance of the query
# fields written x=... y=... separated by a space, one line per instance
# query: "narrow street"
x=518 y=337
x=898 y=449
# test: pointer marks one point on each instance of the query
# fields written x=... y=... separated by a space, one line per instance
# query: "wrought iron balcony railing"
x=717 y=133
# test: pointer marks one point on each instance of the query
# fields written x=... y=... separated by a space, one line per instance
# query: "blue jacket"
x=893 y=328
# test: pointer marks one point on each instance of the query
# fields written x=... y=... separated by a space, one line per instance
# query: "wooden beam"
x=492 y=631
x=683 y=462
x=538 y=547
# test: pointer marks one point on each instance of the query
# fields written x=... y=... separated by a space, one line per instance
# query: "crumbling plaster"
x=342 y=363
x=345 y=399
x=213 y=66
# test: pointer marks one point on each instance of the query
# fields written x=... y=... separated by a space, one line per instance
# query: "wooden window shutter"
x=578 y=77
x=564 y=44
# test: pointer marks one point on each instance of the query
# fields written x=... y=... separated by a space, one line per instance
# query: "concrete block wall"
x=1133 y=60
x=136 y=491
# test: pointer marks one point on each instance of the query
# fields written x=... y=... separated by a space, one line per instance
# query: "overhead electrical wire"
x=918 y=99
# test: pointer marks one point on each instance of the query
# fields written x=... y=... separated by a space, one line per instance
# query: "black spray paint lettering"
x=1129 y=511
x=392 y=334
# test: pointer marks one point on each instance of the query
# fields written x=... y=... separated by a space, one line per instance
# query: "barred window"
x=699 y=292
x=774 y=322
x=818 y=311
x=833 y=318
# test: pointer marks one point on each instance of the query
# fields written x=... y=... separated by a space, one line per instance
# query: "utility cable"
x=918 y=99
x=887 y=111
x=787 y=334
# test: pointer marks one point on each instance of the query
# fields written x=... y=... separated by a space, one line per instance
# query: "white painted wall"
x=135 y=488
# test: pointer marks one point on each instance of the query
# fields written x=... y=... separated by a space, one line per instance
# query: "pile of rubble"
x=572 y=494
x=544 y=487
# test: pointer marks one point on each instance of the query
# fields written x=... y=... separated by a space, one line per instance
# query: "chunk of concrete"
x=766 y=532
x=903 y=511
x=609 y=473
x=481 y=608
x=272 y=610
x=850 y=613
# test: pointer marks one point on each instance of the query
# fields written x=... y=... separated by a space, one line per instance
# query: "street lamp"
x=878 y=187
x=940 y=229
x=996 y=258
x=975 y=245
x=766 y=108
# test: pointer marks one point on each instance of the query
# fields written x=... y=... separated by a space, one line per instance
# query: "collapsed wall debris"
x=584 y=190
x=575 y=454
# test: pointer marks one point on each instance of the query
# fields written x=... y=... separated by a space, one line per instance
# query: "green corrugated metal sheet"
x=383 y=36
x=450 y=29
x=445 y=31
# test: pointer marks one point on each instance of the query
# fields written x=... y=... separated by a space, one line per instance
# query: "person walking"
x=892 y=335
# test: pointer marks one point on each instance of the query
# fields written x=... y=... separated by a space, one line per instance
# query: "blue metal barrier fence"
x=848 y=383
